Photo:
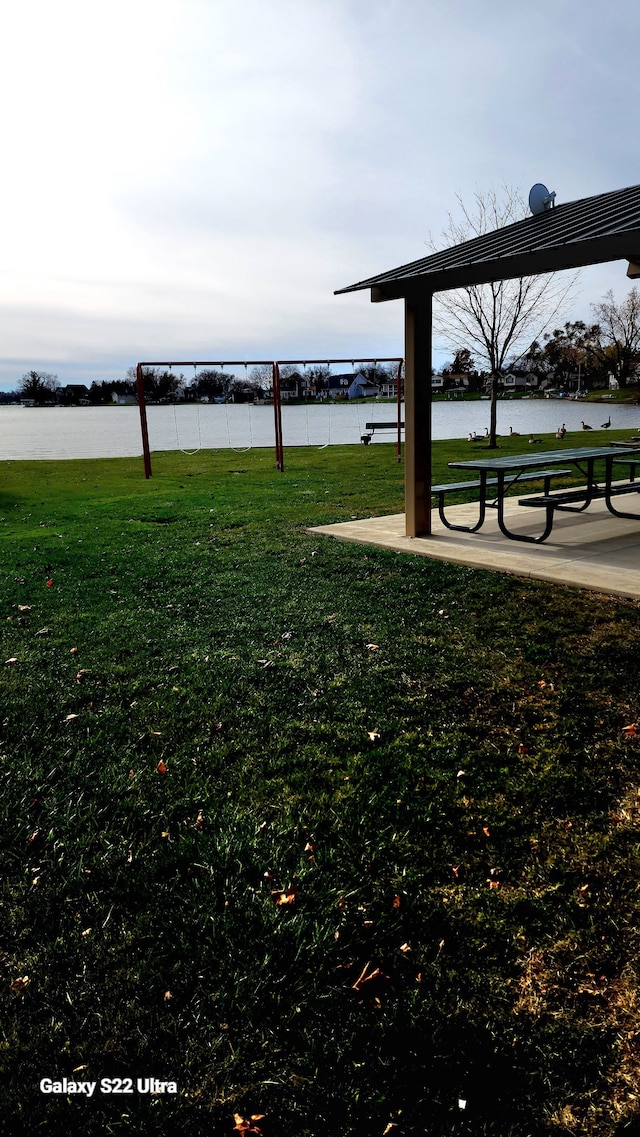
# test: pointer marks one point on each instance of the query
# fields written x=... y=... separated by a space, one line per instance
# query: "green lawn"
x=324 y=833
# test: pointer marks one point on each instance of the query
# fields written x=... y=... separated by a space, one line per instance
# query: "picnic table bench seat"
x=441 y=491
x=585 y=494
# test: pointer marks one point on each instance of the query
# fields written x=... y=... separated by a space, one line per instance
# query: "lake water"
x=114 y=432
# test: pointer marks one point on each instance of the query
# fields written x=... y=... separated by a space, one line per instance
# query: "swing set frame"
x=275 y=366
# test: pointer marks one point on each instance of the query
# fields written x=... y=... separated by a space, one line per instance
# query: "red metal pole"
x=143 y=421
x=277 y=414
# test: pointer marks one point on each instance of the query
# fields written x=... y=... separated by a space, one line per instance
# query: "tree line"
x=595 y=351
x=165 y=385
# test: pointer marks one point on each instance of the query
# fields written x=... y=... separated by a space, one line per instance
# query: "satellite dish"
x=540 y=200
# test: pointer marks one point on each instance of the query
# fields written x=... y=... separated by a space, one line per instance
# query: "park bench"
x=440 y=492
x=373 y=426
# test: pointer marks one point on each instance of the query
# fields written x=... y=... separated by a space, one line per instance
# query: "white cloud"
x=190 y=175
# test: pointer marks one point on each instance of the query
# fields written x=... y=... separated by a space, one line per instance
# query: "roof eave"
x=571 y=255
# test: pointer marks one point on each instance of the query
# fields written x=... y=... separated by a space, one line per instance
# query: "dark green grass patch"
x=324 y=833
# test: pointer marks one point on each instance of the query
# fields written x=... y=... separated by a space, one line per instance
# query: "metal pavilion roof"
x=589 y=231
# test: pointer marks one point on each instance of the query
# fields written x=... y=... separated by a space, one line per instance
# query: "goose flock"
x=560 y=432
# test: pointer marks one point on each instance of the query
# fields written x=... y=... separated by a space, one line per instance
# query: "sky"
x=192 y=179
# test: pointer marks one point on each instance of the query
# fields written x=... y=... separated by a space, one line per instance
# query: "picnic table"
x=508 y=471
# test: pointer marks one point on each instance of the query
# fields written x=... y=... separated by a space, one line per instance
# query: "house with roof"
x=74 y=395
x=338 y=385
x=361 y=388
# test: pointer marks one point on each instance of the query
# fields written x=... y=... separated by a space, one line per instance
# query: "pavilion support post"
x=417 y=415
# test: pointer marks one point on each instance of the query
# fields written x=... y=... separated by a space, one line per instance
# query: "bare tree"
x=262 y=376
x=40 y=386
x=619 y=340
x=493 y=319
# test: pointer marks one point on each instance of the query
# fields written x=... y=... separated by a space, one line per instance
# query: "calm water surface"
x=114 y=432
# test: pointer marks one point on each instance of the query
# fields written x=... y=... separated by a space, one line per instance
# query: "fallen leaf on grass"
x=367 y=976
x=162 y=767
x=81 y=674
x=245 y=1124
x=167 y=996
x=12 y=659
x=19 y=984
x=24 y=607
x=632 y=729
x=285 y=896
x=373 y=735
x=397 y=901
x=73 y=651
x=372 y=647
x=70 y=718
x=405 y=947
x=49 y=584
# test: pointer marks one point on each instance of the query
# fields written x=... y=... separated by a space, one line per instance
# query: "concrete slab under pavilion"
x=590 y=550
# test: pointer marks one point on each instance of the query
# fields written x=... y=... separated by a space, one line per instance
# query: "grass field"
x=328 y=834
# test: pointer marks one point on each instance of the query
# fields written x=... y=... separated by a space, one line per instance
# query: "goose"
x=514 y=433
x=532 y=440
x=585 y=426
x=561 y=431
x=606 y=425
x=475 y=437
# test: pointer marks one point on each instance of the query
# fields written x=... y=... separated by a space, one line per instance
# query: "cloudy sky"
x=192 y=179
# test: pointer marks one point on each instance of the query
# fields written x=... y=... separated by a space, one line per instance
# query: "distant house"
x=361 y=388
x=74 y=395
x=389 y=388
x=512 y=382
x=338 y=385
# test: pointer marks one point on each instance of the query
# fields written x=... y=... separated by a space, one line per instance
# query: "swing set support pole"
x=146 y=453
x=277 y=414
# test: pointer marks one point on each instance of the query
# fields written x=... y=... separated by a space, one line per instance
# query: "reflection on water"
x=114 y=432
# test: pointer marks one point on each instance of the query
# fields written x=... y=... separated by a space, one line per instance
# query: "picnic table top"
x=535 y=458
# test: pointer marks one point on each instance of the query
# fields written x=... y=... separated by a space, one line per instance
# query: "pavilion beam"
x=417 y=415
